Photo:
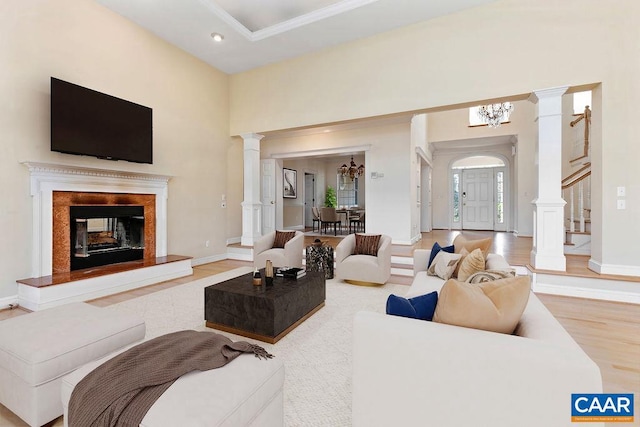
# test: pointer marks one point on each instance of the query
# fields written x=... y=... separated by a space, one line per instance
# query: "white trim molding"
x=7 y=302
x=618 y=269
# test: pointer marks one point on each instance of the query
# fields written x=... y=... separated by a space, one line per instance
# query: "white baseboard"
x=208 y=259
x=233 y=240
x=6 y=302
x=240 y=256
x=620 y=270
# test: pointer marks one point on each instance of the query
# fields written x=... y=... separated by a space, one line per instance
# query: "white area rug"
x=317 y=354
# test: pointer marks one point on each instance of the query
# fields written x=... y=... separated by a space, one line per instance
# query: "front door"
x=477 y=199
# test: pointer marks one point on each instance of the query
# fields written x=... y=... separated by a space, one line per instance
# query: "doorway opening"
x=309 y=198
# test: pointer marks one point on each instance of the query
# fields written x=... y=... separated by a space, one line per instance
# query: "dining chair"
x=328 y=216
x=316 y=218
x=357 y=223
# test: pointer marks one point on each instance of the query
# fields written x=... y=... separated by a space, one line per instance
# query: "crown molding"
x=61 y=169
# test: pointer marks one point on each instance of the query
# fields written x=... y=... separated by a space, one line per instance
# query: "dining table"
x=346 y=212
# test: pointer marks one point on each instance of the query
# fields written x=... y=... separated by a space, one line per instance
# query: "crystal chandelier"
x=351 y=171
x=494 y=114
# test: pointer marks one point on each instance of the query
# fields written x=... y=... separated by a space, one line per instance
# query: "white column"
x=548 y=222
x=251 y=205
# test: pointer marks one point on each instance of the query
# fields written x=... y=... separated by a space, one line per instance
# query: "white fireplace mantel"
x=49 y=177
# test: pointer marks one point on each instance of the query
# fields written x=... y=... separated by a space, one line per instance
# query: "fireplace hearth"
x=102 y=235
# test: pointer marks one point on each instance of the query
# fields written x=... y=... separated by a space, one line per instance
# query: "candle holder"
x=257 y=280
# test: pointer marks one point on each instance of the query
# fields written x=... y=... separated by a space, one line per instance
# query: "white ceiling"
x=259 y=32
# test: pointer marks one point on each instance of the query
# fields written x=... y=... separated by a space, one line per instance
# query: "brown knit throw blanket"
x=120 y=391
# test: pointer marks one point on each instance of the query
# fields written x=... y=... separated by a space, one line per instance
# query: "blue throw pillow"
x=437 y=248
x=425 y=305
x=398 y=306
x=421 y=307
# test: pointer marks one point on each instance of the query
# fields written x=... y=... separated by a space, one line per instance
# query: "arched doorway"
x=479 y=193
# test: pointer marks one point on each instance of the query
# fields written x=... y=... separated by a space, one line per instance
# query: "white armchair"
x=289 y=256
x=363 y=269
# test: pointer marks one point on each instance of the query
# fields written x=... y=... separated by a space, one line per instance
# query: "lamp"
x=351 y=171
x=494 y=114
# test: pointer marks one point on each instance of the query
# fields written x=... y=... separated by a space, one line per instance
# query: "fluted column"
x=251 y=205
x=548 y=216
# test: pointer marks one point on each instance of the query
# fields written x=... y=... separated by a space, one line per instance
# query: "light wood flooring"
x=609 y=332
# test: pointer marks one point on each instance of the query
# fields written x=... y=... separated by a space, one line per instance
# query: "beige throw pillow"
x=491 y=306
x=443 y=265
x=470 y=264
x=461 y=242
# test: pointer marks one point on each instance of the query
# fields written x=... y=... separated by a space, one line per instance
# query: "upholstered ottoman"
x=38 y=349
x=245 y=392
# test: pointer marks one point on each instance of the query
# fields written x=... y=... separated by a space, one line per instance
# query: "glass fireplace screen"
x=106 y=234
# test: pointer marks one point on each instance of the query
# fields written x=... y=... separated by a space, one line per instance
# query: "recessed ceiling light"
x=217 y=37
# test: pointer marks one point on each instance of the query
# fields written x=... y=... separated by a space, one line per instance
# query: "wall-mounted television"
x=91 y=123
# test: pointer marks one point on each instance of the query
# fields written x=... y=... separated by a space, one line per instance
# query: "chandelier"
x=351 y=171
x=494 y=114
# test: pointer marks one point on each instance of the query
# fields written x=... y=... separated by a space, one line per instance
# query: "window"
x=580 y=100
x=347 y=191
x=500 y=197
x=474 y=119
x=456 y=197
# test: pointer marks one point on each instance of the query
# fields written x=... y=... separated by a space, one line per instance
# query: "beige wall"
x=440 y=63
x=82 y=42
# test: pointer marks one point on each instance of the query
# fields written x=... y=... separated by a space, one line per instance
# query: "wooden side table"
x=320 y=258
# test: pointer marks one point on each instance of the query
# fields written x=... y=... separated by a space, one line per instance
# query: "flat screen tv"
x=91 y=123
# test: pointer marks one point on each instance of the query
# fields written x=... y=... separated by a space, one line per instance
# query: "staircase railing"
x=578 y=187
x=581 y=146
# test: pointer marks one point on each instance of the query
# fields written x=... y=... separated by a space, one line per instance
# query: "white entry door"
x=477 y=199
x=268 y=195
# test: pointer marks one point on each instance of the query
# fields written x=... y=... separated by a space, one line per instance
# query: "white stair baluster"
x=572 y=224
x=581 y=205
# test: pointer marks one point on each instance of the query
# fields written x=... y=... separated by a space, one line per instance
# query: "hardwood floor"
x=609 y=332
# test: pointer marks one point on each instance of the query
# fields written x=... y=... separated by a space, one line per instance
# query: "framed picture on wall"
x=289 y=183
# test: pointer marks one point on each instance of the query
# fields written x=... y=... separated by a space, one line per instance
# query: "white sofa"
x=414 y=372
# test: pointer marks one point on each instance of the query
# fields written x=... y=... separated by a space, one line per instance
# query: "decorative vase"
x=268 y=273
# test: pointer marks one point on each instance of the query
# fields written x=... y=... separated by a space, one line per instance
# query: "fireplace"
x=58 y=189
x=96 y=229
x=102 y=235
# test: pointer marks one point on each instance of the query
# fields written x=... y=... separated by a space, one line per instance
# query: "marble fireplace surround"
x=63 y=200
x=47 y=178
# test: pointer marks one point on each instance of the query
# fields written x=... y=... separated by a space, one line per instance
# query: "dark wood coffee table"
x=265 y=313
